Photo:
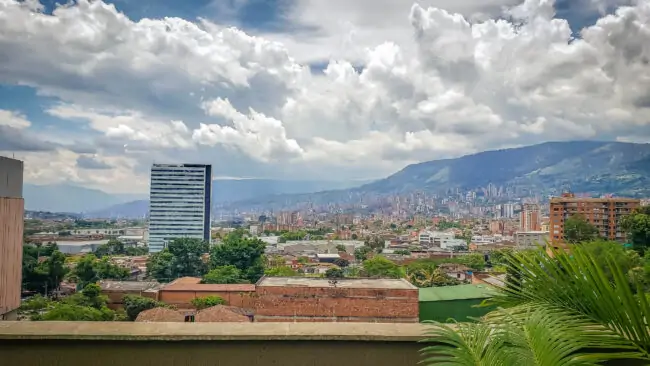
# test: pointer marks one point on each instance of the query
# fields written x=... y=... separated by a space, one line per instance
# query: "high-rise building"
x=604 y=213
x=179 y=203
x=12 y=211
x=530 y=218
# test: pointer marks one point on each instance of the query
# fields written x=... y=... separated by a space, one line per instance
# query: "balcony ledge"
x=130 y=331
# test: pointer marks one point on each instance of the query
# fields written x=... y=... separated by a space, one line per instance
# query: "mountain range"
x=96 y=203
x=549 y=168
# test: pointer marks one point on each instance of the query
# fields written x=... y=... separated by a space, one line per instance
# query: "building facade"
x=179 y=203
x=12 y=211
x=312 y=299
x=604 y=213
x=530 y=218
x=531 y=239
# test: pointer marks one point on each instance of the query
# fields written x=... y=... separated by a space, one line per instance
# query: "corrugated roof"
x=460 y=292
x=192 y=284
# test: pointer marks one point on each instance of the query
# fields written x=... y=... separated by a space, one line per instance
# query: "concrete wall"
x=198 y=344
x=309 y=304
x=11 y=254
x=11 y=177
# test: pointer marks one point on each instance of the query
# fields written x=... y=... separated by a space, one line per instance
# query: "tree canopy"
x=243 y=253
x=182 y=257
x=637 y=227
x=577 y=229
x=379 y=266
x=224 y=275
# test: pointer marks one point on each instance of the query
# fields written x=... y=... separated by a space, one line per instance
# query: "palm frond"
x=465 y=344
x=577 y=284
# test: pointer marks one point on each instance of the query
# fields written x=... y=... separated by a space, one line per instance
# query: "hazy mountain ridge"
x=96 y=203
x=580 y=166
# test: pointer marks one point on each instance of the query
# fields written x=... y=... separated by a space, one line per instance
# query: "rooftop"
x=368 y=283
x=205 y=331
x=193 y=284
x=460 y=292
x=128 y=285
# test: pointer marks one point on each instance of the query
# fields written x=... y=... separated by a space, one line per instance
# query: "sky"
x=92 y=93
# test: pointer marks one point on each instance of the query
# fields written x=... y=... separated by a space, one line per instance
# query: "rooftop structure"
x=358 y=283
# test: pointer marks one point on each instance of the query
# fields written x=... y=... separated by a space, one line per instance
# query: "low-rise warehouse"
x=305 y=299
x=182 y=291
x=454 y=302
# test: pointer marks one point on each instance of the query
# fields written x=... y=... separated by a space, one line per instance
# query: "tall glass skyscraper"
x=179 y=203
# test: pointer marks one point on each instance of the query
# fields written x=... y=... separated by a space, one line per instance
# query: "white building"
x=528 y=239
x=179 y=203
x=440 y=239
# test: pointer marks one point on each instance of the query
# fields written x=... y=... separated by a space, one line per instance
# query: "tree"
x=333 y=273
x=379 y=266
x=474 y=261
x=43 y=274
x=182 y=257
x=637 y=227
x=243 y=253
x=282 y=271
x=375 y=242
x=361 y=253
x=340 y=248
x=342 y=262
x=498 y=257
x=561 y=309
x=355 y=236
x=577 y=229
x=431 y=277
x=207 y=302
x=224 y=275
x=88 y=305
x=402 y=252
x=134 y=305
x=85 y=270
x=108 y=271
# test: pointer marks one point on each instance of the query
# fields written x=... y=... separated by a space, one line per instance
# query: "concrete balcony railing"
x=214 y=344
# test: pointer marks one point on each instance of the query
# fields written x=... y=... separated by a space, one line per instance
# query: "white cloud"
x=13 y=119
x=436 y=82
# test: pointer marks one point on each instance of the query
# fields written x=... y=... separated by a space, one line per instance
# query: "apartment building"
x=179 y=203
x=12 y=210
x=530 y=217
x=604 y=213
x=530 y=239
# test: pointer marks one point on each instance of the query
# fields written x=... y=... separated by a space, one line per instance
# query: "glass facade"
x=179 y=203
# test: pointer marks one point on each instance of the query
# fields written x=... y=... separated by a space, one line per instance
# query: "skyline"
x=96 y=105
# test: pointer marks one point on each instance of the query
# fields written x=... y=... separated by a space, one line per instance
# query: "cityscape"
x=289 y=183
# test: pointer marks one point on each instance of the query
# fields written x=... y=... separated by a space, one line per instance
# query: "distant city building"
x=179 y=203
x=531 y=239
x=12 y=211
x=603 y=213
x=530 y=218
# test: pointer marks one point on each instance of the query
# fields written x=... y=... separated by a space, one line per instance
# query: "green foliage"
x=333 y=273
x=90 y=270
x=498 y=257
x=134 y=305
x=474 y=261
x=43 y=275
x=115 y=247
x=402 y=252
x=340 y=248
x=375 y=242
x=431 y=277
x=361 y=253
x=224 y=275
x=444 y=225
x=36 y=302
x=68 y=312
x=342 y=262
x=89 y=305
x=379 y=266
x=207 y=302
x=243 y=253
x=303 y=260
x=577 y=230
x=182 y=257
x=637 y=226
x=559 y=309
x=281 y=271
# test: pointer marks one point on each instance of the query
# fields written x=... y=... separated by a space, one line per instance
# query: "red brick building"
x=305 y=299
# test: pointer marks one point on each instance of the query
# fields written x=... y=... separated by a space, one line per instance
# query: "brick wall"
x=311 y=304
x=182 y=299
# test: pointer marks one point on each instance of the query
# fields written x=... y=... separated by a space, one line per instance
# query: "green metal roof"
x=460 y=292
